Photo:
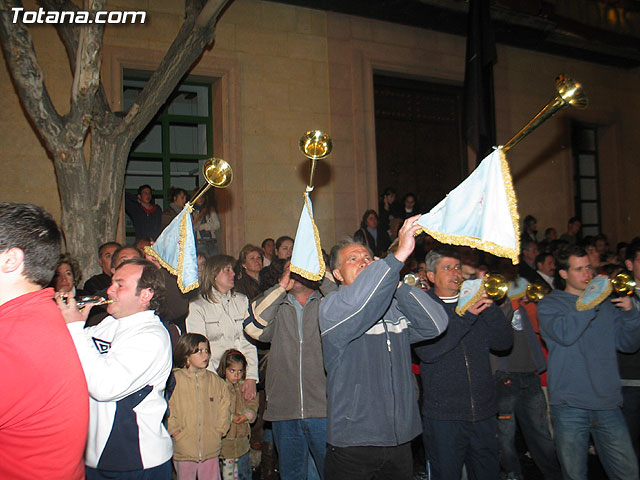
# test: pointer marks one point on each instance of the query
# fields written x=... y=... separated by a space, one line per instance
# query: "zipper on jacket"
x=300 y=379
x=199 y=418
x=466 y=362
x=393 y=396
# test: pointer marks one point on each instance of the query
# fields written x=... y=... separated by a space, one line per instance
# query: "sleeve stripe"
x=362 y=306
x=438 y=327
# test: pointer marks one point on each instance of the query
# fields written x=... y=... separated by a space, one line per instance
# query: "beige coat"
x=199 y=415
x=221 y=323
x=236 y=442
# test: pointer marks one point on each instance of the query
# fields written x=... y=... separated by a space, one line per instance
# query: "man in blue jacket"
x=459 y=407
x=367 y=326
x=584 y=384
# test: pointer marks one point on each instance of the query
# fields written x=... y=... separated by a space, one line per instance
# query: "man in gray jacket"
x=367 y=328
x=287 y=316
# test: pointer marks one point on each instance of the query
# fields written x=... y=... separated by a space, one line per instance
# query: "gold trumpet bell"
x=495 y=285
x=535 y=292
x=316 y=144
x=623 y=284
x=217 y=173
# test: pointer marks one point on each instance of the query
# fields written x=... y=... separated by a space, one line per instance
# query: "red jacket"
x=44 y=404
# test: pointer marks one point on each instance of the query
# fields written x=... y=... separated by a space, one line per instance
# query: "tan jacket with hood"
x=199 y=415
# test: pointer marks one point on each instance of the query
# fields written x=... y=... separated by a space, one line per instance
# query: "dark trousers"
x=631 y=412
x=161 y=472
x=520 y=398
x=369 y=463
x=449 y=444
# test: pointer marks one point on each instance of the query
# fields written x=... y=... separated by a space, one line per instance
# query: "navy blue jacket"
x=456 y=373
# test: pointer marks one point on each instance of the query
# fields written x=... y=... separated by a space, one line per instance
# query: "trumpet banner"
x=307 y=260
x=175 y=250
x=481 y=212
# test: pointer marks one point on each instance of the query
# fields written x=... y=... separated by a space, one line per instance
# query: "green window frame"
x=171 y=150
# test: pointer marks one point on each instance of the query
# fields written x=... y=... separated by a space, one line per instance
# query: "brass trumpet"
x=315 y=145
x=536 y=292
x=495 y=286
x=569 y=92
x=623 y=284
x=217 y=173
x=413 y=280
x=95 y=300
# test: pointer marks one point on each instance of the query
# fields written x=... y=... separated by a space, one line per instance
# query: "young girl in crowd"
x=235 y=446
x=199 y=411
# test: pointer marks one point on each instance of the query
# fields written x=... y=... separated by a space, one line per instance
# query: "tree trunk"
x=91 y=196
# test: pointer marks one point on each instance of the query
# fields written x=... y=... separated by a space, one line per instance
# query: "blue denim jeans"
x=520 y=399
x=608 y=428
x=450 y=444
x=295 y=440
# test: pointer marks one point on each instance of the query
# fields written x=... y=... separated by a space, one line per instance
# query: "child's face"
x=234 y=372
x=200 y=359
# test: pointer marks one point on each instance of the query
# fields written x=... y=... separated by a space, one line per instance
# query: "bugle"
x=218 y=173
x=569 y=92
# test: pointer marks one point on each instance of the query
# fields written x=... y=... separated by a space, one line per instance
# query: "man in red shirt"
x=44 y=405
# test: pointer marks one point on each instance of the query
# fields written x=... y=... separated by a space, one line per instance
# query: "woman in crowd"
x=205 y=225
x=284 y=247
x=67 y=276
x=218 y=313
x=268 y=250
x=370 y=235
x=178 y=198
x=248 y=271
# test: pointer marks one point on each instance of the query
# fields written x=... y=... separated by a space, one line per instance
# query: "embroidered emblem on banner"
x=102 y=345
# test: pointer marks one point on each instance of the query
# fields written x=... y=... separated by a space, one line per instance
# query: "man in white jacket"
x=126 y=360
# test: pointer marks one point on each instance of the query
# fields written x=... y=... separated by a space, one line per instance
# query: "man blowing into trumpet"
x=367 y=326
x=584 y=384
x=459 y=406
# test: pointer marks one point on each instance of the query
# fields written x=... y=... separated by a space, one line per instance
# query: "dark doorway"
x=419 y=143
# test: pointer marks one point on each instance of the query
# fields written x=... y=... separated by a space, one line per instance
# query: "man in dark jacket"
x=367 y=326
x=459 y=408
x=287 y=317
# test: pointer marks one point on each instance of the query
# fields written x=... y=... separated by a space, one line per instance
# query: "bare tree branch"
x=26 y=73
x=86 y=78
x=183 y=52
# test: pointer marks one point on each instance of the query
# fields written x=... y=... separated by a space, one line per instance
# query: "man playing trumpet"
x=584 y=384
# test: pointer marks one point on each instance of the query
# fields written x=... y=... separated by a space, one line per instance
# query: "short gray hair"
x=334 y=256
x=434 y=256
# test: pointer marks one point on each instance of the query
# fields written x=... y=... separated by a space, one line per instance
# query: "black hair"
x=363 y=222
x=562 y=262
x=271 y=274
x=151 y=278
x=632 y=251
x=32 y=230
x=281 y=240
x=142 y=187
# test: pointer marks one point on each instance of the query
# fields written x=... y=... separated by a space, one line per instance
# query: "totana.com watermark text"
x=80 y=16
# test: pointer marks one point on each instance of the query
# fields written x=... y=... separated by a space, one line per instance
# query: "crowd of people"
x=357 y=376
